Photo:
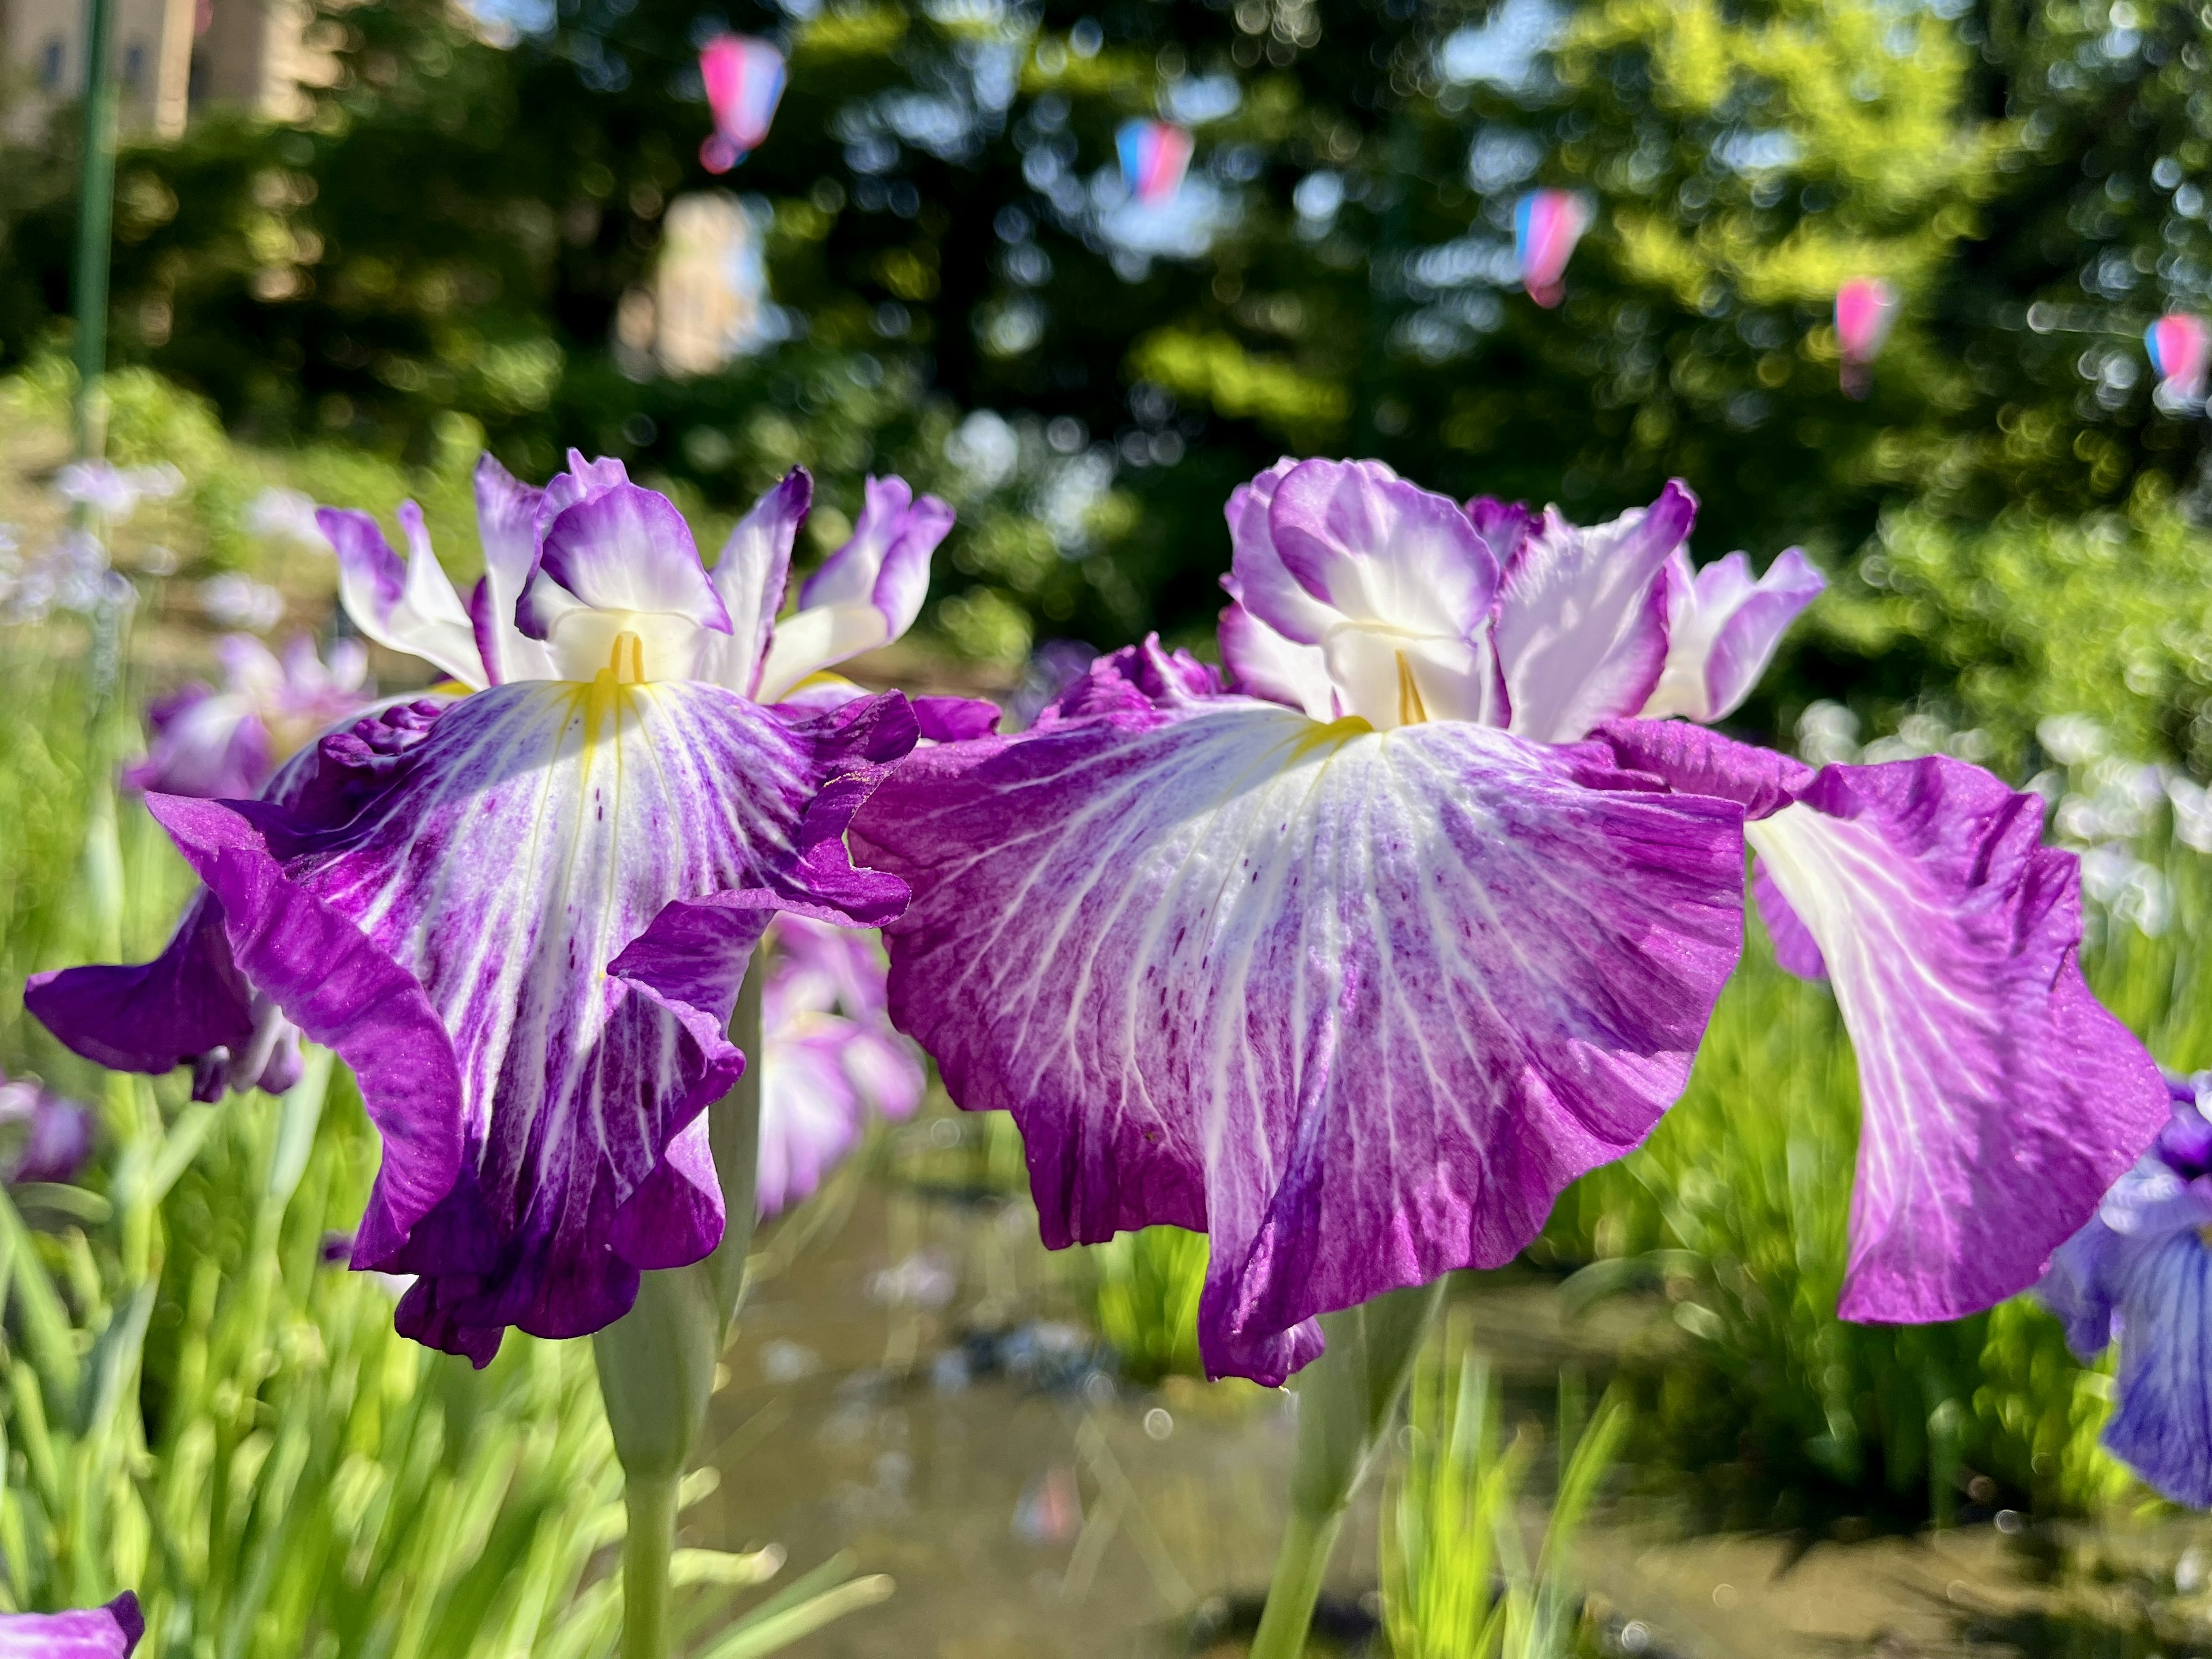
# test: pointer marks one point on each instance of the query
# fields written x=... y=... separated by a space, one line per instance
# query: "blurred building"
x=172 y=59
x=710 y=288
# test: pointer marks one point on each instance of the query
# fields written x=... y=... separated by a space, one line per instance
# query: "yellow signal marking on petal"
x=449 y=688
x=1318 y=736
x=1412 y=711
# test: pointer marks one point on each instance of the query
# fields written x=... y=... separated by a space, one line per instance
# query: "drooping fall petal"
x=524 y=928
x=2000 y=1099
x=1359 y=1004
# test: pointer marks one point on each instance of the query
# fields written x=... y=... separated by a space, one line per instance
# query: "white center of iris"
x=635 y=646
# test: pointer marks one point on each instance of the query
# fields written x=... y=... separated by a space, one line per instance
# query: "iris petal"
x=1582 y=617
x=411 y=607
x=507 y=517
x=522 y=920
x=2001 y=1100
x=1264 y=664
x=2163 y=1427
x=105 y=1632
x=750 y=576
x=1359 y=1004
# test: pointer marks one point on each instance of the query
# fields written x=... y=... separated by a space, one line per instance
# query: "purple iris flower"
x=522 y=915
x=105 y=1632
x=42 y=1137
x=225 y=745
x=1356 y=963
x=832 y=1056
x=2140 y=1273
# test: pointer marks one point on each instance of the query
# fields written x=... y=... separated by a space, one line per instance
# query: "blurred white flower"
x=286 y=515
x=2072 y=739
x=236 y=601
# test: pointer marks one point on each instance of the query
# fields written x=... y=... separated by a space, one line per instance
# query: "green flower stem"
x=656 y=1362
x=646 y=1550
x=1346 y=1399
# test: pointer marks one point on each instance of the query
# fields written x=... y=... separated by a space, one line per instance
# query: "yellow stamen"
x=627 y=661
x=1412 y=711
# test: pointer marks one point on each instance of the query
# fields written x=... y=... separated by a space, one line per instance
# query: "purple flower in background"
x=522 y=916
x=2140 y=1273
x=42 y=1137
x=832 y=1056
x=225 y=745
x=105 y=1633
x=1356 y=964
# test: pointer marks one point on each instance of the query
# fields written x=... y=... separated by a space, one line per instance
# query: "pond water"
x=912 y=1383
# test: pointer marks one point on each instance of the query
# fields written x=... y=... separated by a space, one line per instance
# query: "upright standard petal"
x=1263 y=664
x=1407 y=583
x=750 y=575
x=866 y=593
x=1258 y=579
x=105 y=1633
x=1358 y=1003
x=619 y=566
x=1581 y=617
x=1722 y=627
x=411 y=608
x=507 y=525
x=2000 y=1099
x=523 y=923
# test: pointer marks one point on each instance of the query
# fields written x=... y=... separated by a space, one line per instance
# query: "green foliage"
x=452 y=235
x=2031 y=618
x=1142 y=1289
x=1458 y=1582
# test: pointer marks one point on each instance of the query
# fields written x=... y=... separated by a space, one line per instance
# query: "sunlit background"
x=1881 y=279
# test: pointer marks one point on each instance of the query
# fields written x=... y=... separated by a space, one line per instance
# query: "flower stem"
x=1308 y=1542
x=656 y=1363
x=651 y=1500
x=1346 y=1399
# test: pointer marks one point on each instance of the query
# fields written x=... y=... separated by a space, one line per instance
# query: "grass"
x=1457 y=1579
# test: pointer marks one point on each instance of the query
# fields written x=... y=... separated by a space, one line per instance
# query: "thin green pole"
x=95 y=215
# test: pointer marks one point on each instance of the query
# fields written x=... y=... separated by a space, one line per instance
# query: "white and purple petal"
x=1258 y=579
x=2000 y=1100
x=621 y=563
x=1376 y=549
x=1263 y=663
x=750 y=576
x=1358 y=1003
x=507 y=525
x=866 y=593
x=411 y=608
x=1722 y=628
x=205 y=743
x=1581 y=617
x=522 y=920
x=809 y=1113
